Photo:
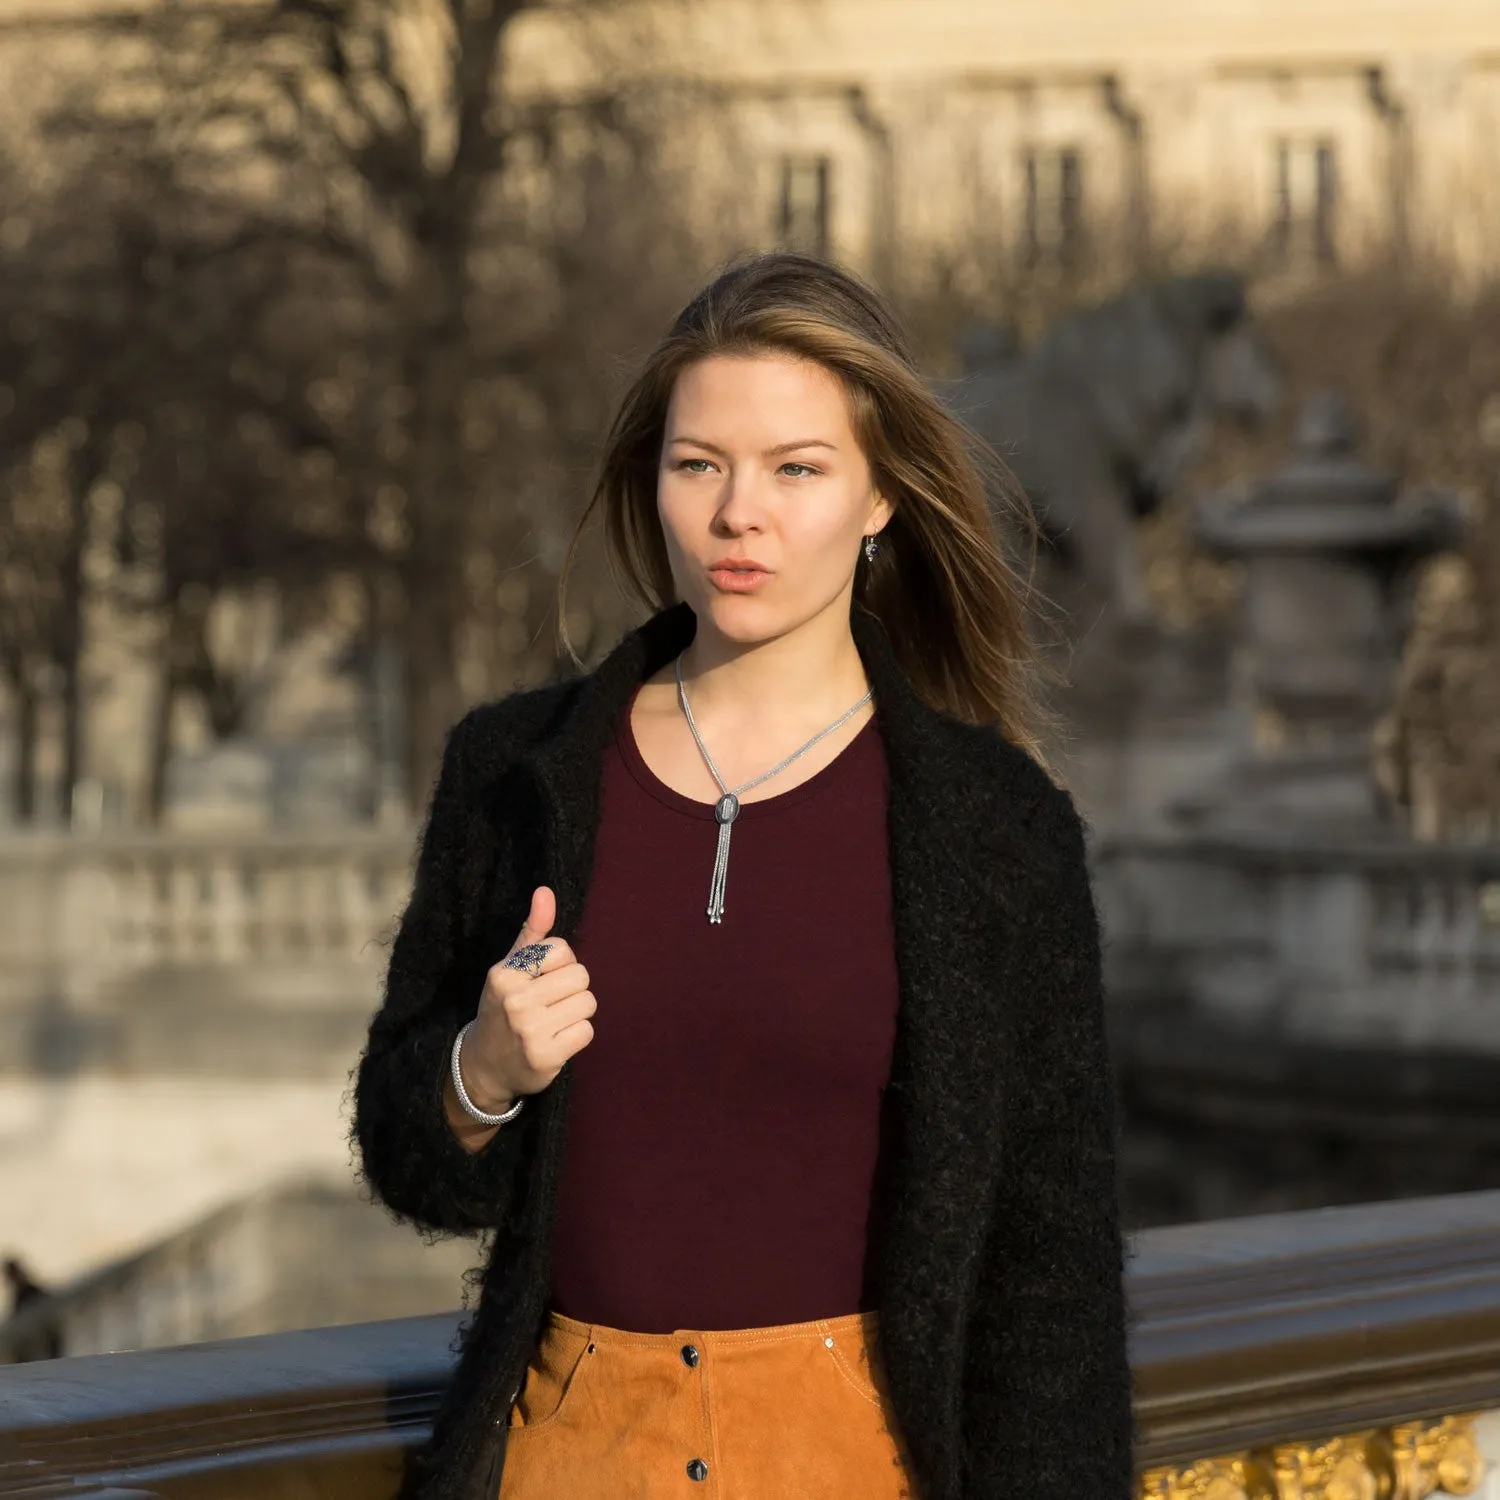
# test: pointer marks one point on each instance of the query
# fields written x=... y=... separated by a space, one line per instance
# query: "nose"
x=741 y=504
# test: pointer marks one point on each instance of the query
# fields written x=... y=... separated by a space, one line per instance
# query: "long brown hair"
x=955 y=605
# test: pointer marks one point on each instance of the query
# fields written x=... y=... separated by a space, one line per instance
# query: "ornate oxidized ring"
x=529 y=957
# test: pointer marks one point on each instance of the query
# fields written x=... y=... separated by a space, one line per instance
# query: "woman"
x=789 y=1106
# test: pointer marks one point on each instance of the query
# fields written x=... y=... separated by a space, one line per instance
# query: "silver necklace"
x=726 y=809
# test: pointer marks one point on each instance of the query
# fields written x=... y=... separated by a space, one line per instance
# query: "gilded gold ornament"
x=1408 y=1461
x=1208 y=1479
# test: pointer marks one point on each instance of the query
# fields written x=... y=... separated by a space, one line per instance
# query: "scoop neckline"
x=651 y=783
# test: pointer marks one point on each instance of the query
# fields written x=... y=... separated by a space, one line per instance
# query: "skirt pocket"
x=851 y=1356
x=554 y=1378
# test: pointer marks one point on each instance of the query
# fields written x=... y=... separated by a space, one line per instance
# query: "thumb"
x=539 y=919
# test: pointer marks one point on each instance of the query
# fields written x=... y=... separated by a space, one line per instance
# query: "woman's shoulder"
x=493 y=733
x=1030 y=819
x=1015 y=775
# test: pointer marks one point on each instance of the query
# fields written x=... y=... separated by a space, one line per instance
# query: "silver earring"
x=870 y=549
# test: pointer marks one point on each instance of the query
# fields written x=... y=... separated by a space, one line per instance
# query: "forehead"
x=757 y=390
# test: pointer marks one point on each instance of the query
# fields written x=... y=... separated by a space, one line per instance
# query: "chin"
x=745 y=620
x=738 y=618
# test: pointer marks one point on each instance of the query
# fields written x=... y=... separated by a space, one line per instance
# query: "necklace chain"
x=727 y=808
x=780 y=765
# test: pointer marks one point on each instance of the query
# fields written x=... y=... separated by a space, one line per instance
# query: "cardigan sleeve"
x=1047 y=1391
x=410 y=1157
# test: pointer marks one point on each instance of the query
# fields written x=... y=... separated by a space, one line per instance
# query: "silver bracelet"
x=469 y=1107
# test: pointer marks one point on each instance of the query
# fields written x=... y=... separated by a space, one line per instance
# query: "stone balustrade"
x=152 y=951
x=1371 y=943
x=120 y=901
x=155 y=952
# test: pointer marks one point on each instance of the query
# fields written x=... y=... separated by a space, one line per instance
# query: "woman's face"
x=759 y=465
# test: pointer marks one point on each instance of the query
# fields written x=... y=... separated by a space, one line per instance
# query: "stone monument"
x=1329 y=550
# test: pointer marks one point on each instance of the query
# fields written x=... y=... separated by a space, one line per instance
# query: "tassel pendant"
x=727 y=808
x=725 y=811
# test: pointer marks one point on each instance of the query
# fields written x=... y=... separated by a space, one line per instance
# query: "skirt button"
x=697 y=1469
x=689 y=1355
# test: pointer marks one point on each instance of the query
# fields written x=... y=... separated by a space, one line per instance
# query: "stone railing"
x=1343 y=1352
x=96 y=906
x=114 y=949
x=109 y=943
x=1379 y=944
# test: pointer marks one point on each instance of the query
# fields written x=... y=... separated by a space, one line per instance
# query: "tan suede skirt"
x=800 y=1410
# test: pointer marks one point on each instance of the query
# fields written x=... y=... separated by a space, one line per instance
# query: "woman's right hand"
x=528 y=1028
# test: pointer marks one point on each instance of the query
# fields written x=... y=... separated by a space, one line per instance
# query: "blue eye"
x=683 y=464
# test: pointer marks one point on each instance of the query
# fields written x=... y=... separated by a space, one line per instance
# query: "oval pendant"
x=726 y=808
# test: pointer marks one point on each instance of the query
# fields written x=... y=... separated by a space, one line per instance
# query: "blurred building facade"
x=888 y=132
x=894 y=133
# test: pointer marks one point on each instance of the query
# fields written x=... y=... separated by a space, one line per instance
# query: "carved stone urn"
x=1329 y=549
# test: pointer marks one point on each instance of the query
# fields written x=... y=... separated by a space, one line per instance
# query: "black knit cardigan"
x=995 y=1238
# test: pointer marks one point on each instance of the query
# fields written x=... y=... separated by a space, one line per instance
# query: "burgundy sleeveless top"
x=724 y=1127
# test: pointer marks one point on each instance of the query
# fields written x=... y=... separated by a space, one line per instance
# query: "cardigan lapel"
x=567 y=765
x=950 y=903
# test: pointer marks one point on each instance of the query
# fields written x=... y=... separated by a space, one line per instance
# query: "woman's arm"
x=411 y=1156
x=1047 y=1388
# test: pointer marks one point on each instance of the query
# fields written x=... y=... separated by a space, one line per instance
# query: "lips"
x=737 y=575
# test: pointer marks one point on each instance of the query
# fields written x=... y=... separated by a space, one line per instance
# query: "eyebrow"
x=780 y=448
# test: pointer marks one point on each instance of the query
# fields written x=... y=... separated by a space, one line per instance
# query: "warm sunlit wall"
x=926 y=110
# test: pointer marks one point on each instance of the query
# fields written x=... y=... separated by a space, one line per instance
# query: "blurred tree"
x=34 y=529
x=52 y=452
x=418 y=282
x=142 y=439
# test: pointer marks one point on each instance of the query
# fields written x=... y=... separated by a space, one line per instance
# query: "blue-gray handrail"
x=1245 y=1332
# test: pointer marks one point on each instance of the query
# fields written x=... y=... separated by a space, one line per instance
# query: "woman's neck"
x=753 y=706
x=789 y=685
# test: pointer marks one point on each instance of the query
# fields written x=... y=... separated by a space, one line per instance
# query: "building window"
x=805 y=192
x=1305 y=227
x=1052 y=221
